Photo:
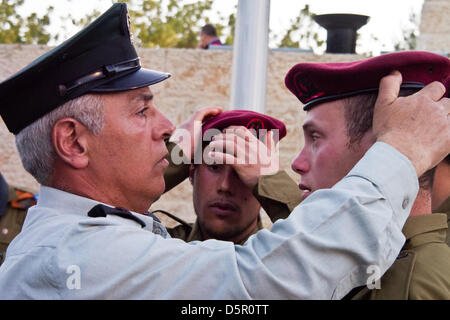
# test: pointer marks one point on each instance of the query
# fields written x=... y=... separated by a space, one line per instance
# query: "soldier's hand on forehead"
x=417 y=125
x=188 y=134
x=249 y=156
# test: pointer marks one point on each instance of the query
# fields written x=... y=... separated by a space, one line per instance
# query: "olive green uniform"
x=445 y=208
x=12 y=220
x=278 y=194
x=422 y=269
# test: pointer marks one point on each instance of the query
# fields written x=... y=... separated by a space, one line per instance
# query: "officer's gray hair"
x=34 y=142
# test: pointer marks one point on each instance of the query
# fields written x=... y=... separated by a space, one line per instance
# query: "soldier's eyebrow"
x=308 y=126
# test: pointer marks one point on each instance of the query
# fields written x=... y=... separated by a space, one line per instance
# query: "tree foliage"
x=303 y=32
x=409 y=35
x=170 y=23
x=16 y=28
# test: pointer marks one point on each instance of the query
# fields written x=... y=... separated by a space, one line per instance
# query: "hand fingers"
x=217 y=157
x=240 y=131
x=269 y=141
x=236 y=147
x=434 y=90
x=446 y=103
x=200 y=114
x=389 y=88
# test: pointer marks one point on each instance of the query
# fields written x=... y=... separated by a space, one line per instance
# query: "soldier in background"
x=14 y=203
x=208 y=37
x=226 y=208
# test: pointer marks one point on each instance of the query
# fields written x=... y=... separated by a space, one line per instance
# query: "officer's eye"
x=142 y=112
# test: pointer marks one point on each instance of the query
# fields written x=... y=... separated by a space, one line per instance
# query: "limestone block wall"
x=435 y=26
x=199 y=78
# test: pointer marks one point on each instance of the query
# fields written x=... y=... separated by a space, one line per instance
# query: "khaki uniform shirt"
x=422 y=269
x=11 y=222
x=278 y=194
x=445 y=208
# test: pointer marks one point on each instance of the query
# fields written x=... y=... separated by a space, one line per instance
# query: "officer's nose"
x=300 y=164
x=163 y=128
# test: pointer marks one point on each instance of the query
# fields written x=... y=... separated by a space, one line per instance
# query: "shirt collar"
x=196 y=234
x=444 y=207
x=424 y=229
x=65 y=201
x=70 y=203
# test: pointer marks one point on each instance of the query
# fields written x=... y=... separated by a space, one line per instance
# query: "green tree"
x=15 y=28
x=303 y=32
x=169 y=23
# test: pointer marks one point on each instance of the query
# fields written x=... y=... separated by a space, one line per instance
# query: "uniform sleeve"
x=278 y=194
x=175 y=173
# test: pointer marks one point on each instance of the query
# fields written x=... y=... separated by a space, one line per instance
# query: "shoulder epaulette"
x=23 y=200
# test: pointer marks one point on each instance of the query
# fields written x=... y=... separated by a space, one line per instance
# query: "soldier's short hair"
x=209 y=30
x=359 y=117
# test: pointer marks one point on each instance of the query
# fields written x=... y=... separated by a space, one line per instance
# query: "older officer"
x=338 y=131
x=87 y=129
x=226 y=207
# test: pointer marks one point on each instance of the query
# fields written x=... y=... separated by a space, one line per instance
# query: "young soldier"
x=226 y=208
x=338 y=132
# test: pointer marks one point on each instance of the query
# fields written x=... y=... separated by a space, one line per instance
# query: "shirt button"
x=157 y=231
x=405 y=203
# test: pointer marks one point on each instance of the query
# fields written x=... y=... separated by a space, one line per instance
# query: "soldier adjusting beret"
x=314 y=83
x=100 y=58
x=249 y=119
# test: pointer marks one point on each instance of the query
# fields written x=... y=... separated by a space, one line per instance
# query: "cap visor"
x=135 y=80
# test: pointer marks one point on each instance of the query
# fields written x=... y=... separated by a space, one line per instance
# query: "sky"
x=387 y=17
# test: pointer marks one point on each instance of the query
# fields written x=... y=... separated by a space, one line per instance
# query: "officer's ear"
x=69 y=138
x=191 y=173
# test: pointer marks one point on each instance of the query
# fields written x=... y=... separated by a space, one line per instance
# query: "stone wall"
x=435 y=26
x=199 y=78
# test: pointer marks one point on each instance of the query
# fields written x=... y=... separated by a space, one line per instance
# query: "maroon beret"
x=314 y=83
x=249 y=119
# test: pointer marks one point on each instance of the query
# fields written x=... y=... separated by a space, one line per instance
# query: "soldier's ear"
x=191 y=173
x=70 y=143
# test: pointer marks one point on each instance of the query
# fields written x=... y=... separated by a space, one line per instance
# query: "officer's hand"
x=418 y=125
x=189 y=134
x=249 y=156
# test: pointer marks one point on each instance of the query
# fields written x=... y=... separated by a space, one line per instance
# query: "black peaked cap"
x=100 y=58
